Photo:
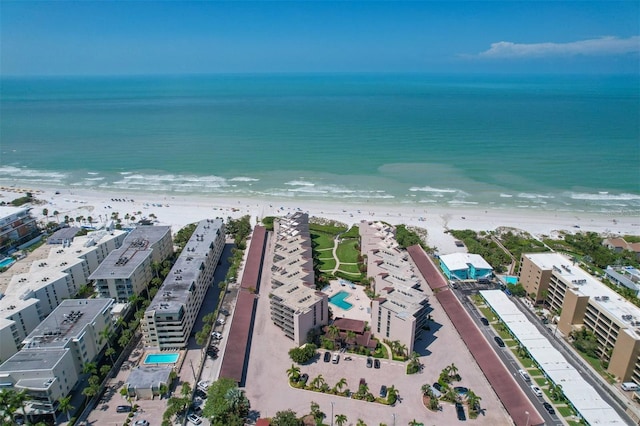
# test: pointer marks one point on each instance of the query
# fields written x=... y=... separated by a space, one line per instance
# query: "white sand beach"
x=180 y=210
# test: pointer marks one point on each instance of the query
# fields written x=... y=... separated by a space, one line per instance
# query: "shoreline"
x=180 y=210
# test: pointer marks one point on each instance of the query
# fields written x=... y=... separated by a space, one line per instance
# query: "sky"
x=171 y=37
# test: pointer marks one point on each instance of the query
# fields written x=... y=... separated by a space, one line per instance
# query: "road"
x=510 y=362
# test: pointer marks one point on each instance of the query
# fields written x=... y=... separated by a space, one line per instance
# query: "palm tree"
x=237 y=401
x=453 y=370
x=351 y=337
x=318 y=382
x=414 y=422
x=341 y=419
x=427 y=390
x=402 y=349
x=185 y=391
x=124 y=391
x=293 y=372
x=90 y=391
x=361 y=422
x=64 y=404
x=341 y=383
x=90 y=368
x=333 y=332
x=17 y=400
x=316 y=413
x=473 y=400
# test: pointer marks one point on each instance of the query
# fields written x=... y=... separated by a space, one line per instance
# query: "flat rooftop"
x=460 y=261
x=175 y=292
x=66 y=322
x=601 y=296
x=137 y=246
x=33 y=360
x=148 y=376
x=582 y=396
x=297 y=296
x=404 y=301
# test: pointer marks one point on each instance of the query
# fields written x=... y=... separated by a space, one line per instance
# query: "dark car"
x=202 y=394
x=383 y=391
x=224 y=312
x=437 y=386
x=327 y=356
x=549 y=408
x=376 y=363
x=369 y=363
x=461 y=390
x=484 y=321
x=499 y=341
x=460 y=412
x=303 y=379
x=123 y=408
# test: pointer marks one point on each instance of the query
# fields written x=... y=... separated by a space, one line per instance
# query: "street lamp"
x=331 y=413
x=394 y=419
x=527 y=413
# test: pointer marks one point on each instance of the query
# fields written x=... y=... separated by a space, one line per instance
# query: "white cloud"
x=603 y=46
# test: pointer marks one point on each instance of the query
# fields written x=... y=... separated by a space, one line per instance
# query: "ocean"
x=569 y=143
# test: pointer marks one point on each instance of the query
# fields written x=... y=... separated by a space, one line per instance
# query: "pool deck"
x=357 y=298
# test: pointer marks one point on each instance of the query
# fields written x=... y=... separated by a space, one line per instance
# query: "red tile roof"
x=347 y=324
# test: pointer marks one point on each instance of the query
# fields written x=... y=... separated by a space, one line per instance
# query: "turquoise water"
x=7 y=261
x=510 y=279
x=338 y=300
x=170 y=358
x=539 y=142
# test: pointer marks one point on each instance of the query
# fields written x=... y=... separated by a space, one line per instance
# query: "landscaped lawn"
x=353 y=232
x=347 y=251
x=565 y=411
x=503 y=333
x=349 y=269
x=327 y=229
x=488 y=313
x=541 y=381
x=327 y=264
x=323 y=241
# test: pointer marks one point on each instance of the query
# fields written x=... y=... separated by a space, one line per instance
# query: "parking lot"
x=269 y=392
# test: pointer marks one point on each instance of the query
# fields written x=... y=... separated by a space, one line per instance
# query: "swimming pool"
x=6 y=262
x=510 y=279
x=338 y=300
x=169 y=358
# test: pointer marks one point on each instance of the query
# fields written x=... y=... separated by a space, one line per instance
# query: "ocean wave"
x=462 y=202
x=299 y=183
x=18 y=172
x=604 y=196
x=533 y=196
x=431 y=189
x=503 y=195
x=243 y=179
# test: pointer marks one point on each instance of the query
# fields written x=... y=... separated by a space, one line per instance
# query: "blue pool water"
x=338 y=300
x=510 y=279
x=7 y=261
x=170 y=358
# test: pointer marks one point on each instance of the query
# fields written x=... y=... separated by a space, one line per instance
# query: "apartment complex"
x=170 y=317
x=401 y=308
x=51 y=361
x=583 y=301
x=128 y=270
x=620 y=244
x=36 y=288
x=465 y=266
x=17 y=227
x=296 y=307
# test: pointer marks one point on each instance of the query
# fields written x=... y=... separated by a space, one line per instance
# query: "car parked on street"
x=524 y=375
x=336 y=358
x=499 y=341
x=123 y=409
x=536 y=390
x=369 y=362
x=484 y=321
x=549 y=408
x=376 y=363
x=141 y=423
x=327 y=356
x=437 y=386
x=224 y=312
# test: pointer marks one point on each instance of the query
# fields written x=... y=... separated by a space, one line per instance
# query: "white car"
x=216 y=335
x=196 y=420
x=220 y=321
x=204 y=385
x=536 y=390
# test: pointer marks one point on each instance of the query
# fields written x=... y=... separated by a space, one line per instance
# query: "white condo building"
x=128 y=270
x=51 y=361
x=36 y=288
x=170 y=317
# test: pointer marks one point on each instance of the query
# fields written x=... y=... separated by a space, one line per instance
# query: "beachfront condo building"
x=401 y=309
x=465 y=266
x=37 y=284
x=17 y=227
x=52 y=358
x=127 y=271
x=170 y=317
x=296 y=306
x=581 y=300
